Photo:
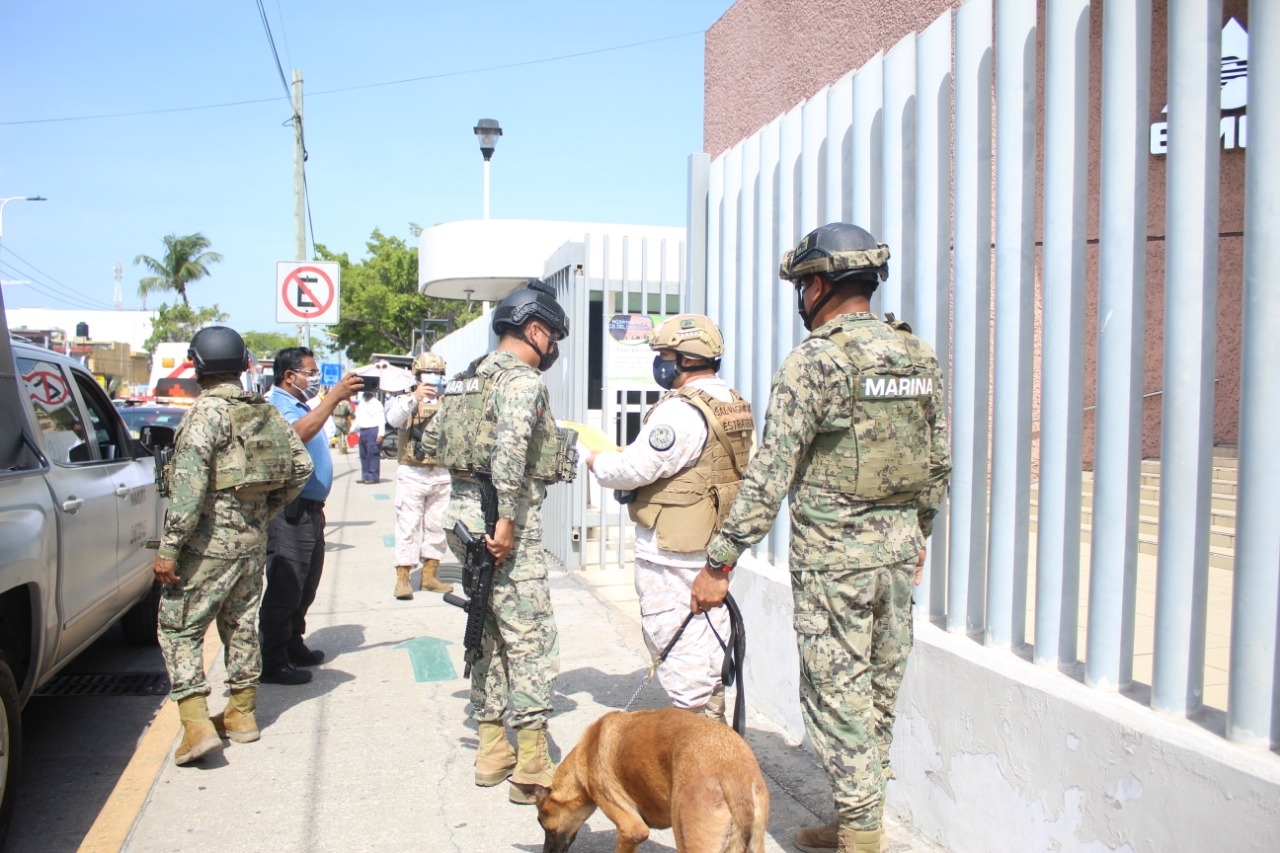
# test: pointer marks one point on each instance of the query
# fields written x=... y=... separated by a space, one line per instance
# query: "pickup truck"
x=78 y=503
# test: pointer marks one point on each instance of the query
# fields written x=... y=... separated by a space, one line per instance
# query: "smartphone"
x=371 y=383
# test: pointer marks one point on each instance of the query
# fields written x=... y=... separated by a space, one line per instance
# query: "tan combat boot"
x=495 y=759
x=714 y=709
x=404 y=592
x=237 y=721
x=199 y=737
x=854 y=840
x=818 y=839
x=534 y=766
x=430 y=580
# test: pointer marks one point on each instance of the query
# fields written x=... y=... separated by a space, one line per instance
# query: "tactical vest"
x=884 y=454
x=466 y=430
x=686 y=510
x=259 y=458
x=410 y=438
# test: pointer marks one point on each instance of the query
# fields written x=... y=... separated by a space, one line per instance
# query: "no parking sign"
x=307 y=292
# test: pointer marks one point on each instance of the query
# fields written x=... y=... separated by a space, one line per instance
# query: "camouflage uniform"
x=853 y=594
x=521 y=648
x=218 y=538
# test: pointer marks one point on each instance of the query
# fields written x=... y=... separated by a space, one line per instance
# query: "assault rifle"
x=477 y=575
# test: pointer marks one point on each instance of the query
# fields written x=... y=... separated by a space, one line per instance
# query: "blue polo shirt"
x=317 y=488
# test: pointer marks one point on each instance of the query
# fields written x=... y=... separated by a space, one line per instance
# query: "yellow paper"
x=590 y=437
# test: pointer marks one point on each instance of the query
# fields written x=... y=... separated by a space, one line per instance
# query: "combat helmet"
x=534 y=300
x=693 y=335
x=428 y=362
x=839 y=251
x=218 y=349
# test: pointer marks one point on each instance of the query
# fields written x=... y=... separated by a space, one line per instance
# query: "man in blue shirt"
x=295 y=537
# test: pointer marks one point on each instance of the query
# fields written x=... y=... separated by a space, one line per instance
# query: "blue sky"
x=598 y=137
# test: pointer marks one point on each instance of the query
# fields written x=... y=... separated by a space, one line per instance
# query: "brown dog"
x=664 y=768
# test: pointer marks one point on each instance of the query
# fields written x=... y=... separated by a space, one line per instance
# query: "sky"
x=140 y=118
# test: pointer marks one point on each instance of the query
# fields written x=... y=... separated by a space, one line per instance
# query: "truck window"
x=56 y=411
x=103 y=421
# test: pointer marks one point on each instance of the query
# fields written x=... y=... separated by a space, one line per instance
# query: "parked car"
x=78 y=504
x=136 y=417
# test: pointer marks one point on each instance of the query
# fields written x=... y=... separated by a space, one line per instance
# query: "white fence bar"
x=971 y=333
x=695 y=267
x=765 y=347
x=715 y=236
x=813 y=167
x=1253 y=712
x=839 y=197
x=930 y=316
x=1122 y=294
x=1066 y=150
x=744 y=345
x=1014 y=330
x=868 y=100
x=1190 y=314
x=897 y=200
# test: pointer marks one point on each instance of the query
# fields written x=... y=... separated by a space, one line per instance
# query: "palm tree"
x=185 y=260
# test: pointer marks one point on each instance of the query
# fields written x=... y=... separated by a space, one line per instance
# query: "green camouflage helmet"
x=836 y=251
x=688 y=334
x=429 y=362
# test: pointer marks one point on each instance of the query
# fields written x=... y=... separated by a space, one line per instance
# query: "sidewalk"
x=376 y=753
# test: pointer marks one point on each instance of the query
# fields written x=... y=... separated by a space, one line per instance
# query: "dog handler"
x=856 y=436
x=686 y=467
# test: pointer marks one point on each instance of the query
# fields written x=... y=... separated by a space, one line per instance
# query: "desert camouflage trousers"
x=208 y=589
x=420 y=503
x=692 y=670
x=854 y=631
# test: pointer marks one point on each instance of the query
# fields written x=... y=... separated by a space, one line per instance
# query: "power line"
x=275 y=54
x=80 y=302
x=44 y=282
x=442 y=75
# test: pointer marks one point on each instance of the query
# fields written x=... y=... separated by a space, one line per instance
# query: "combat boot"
x=714 y=709
x=534 y=766
x=199 y=737
x=404 y=592
x=237 y=721
x=430 y=580
x=853 y=840
x=495 y=759
x=818 y=839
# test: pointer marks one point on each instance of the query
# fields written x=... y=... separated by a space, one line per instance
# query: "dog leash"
x=735 y=653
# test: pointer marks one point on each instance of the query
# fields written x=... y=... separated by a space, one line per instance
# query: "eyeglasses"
x=309 y=375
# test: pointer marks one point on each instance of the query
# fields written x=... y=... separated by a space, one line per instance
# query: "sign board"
x=630 y=361
x=330 y=373
x=307 y=292
x=46 y=386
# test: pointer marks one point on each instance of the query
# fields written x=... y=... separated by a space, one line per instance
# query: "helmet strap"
x=807 y=317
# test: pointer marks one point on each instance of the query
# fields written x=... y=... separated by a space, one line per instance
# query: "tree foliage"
x=180 y=323
x=185 y=260
x=381 y=304
x=265 y=345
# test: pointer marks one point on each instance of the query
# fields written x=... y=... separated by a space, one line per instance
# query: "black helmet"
x=839 y=251
x=535 y=300
x=218 y=349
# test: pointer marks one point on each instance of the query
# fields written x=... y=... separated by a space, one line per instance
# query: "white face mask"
x=307 y=391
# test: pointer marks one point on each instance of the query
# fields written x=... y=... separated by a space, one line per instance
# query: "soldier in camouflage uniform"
x=495 y=417
x=856 y=436
x=236 y=463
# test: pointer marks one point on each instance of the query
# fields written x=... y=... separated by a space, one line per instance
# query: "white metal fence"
x=879 y=148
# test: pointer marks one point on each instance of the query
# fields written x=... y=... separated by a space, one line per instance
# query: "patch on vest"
x=662 y=438
x=895 y=387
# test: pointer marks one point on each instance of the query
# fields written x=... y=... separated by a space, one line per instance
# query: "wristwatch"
x=716 y=565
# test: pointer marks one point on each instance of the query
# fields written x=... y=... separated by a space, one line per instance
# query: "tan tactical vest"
x=687 y=509
x=259 y=458
x=407 y=437
x=467 y=430
x=884 y=455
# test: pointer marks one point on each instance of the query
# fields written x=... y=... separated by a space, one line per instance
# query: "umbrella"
x=390 y=378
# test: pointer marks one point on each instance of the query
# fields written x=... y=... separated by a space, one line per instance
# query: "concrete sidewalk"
x=376 y=753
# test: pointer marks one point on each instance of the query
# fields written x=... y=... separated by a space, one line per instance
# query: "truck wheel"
x=10 y=745
x=140 y=621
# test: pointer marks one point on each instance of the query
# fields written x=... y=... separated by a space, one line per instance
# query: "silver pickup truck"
x=78 y=503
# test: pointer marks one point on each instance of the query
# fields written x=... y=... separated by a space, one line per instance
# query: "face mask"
x=309 y=392
x=664 y=372
x=807 y=317
x=545 y=359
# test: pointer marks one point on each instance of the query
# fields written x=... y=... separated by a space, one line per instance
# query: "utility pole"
x=299 y=187
x=117 y=297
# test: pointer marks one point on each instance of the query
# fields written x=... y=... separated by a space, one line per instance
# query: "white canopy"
x=391 y=378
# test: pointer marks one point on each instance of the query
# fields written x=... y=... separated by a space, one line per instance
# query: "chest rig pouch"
x=412 y=450
x=259 y=458
x=884 y=454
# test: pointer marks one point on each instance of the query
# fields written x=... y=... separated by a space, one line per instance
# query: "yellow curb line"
x=121 y=810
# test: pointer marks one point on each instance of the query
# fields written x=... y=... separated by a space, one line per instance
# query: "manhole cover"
x=108 y=684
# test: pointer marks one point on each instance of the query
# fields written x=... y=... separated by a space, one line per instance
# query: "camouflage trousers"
x=520 y=651
x=854 y=630
x=208 y=589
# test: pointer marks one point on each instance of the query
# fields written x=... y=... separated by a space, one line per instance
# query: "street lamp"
x=488 y=131
x=4 y=201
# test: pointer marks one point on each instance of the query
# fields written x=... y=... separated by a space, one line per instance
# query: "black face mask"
x=806 y=317
x=665 y=372
x=545 y=359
